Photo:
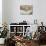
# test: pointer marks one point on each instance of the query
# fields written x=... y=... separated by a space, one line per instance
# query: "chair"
x=9 y=42
x=42 y=37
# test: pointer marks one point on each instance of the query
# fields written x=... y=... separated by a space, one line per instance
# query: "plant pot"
x=2 y=40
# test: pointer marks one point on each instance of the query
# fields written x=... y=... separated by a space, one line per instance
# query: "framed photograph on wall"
x=26 y=9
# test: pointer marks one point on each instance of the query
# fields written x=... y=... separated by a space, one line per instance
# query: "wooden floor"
x=42 y=45
x=1 y=45
x=34 y=44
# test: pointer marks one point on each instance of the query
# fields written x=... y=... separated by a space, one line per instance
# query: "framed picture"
x=26 y=9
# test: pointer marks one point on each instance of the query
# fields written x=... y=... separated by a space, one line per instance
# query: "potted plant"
x=3 y=34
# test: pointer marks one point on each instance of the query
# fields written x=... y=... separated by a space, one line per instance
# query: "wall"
x=4 y=11
x=40 y=10
x=0 y=13
x=11 y=11
x=15 y=11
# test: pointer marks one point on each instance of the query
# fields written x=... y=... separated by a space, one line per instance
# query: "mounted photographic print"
x=26 y=9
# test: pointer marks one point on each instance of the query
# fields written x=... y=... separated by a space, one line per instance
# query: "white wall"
x=15 y=11
x=0 y=13
x=40 y=10
x=4 y=11
x=11 y=10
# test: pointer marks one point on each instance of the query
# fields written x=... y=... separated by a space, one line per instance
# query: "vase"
x=2 y=40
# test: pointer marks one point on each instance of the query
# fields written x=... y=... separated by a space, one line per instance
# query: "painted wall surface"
x=15 y=11
x=0 y=13
x=4 y=11
x=39 y=10
x=12 y=12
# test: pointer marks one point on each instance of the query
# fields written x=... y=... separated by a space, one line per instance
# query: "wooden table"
x=23 y=42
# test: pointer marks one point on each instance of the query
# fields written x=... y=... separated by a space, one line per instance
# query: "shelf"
x=12 y=32
x=19 y=32
x=19 y=25
x=17 y=28
x=16 y=32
